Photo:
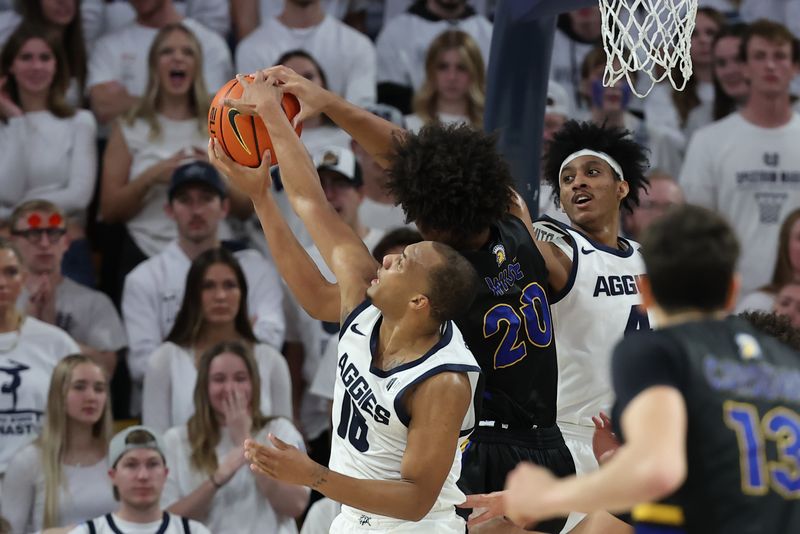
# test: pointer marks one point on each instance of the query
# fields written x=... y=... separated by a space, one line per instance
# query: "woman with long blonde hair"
x=454 y=89
x=167 y=127
x=208 y=479
x=62 y=478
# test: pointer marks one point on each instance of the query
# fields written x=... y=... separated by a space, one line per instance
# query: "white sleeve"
x=173 y=445
x=140 y=315
x=195 y=527
x=14 y=180
x=697 y=174
x=92 y=18
x=361 y=85
x=214 y=15
x=80 y=529
x=156 y=412
x=217 y=62
x=77 y=193
x=20 y=488
x=325 y=377
x=275 y=374
x=104 y=66
x=265 y=302
x=107 y=332
x=250 y=52
x=393 y=62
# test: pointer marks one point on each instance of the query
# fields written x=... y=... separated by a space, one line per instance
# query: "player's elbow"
x=659 y=477
x=418 y=507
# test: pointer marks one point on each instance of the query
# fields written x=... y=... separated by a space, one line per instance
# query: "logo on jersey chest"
x=505 y=279
x=614 y=286
x=360 y=391
x=499 y=252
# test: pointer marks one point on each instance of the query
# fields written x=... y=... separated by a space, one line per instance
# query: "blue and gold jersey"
x=510 y=331
x=742 y=394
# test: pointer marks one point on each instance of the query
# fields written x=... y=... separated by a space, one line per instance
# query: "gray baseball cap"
x=119 y=443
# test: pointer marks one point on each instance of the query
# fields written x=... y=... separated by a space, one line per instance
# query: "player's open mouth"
x=581 y=199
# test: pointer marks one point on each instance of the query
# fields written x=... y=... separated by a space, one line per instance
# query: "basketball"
x=244 y=137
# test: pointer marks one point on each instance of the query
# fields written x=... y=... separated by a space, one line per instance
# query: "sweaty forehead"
x=423 y=253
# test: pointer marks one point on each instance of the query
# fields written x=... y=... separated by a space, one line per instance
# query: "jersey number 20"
x=533 y=315
x=780 y=425
x=352 y=425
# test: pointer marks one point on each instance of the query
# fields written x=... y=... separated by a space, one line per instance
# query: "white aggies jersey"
x=597 y=307
x=370 y=423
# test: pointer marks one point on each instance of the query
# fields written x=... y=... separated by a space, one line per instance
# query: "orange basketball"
x=244 y=137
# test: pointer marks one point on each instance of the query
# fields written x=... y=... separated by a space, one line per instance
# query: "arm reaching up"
x=343 y=250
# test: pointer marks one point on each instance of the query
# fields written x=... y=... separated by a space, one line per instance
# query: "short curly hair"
x=616 y=142
x=450 y=178
x=772 y=324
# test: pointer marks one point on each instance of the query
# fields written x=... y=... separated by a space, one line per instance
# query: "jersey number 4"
x=352 y=425
x=780 y=425
x=533 y=316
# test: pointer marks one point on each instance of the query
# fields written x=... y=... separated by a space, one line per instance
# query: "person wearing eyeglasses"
x=39 y=232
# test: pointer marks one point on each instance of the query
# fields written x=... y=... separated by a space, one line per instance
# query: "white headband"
x=587 y=152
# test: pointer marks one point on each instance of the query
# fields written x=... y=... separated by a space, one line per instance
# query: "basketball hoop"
x=652 y=37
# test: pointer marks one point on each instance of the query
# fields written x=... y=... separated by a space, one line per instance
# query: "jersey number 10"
x=533 y=314
x=352 y=425
x=780 y=425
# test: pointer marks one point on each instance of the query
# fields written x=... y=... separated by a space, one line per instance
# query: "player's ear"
x=733 y=291
x=623 y=188
x=419 y=301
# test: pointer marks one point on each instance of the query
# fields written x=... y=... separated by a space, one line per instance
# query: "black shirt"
x=742 y=394
x=509 y=329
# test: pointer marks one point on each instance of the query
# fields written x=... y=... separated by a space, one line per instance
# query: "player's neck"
x=664 y=319
x=295 y=16
x=10 y=320
x=135 y=514
x=404 y=339
x=767 y=111
x=192 y=249
x=161 y=17
x=604 y=232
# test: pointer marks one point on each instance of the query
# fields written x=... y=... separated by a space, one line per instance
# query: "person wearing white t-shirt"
x=58 y=160
x=118 y=62
x=209 y=480
x=138 y=471
x=577 y=32
x=213 y=309
x=248 y=14
x=103 y=17
x=403 y=44
x=454 y=89
x=346 y=55
x=39 y=231
x=306 y=337
x=154 y=290
x=29 y=350
x=747 y=166
x=61 y=479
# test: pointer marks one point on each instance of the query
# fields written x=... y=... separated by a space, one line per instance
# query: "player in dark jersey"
x=457 y=189
x=708 y=407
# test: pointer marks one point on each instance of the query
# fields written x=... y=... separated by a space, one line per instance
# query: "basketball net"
x=649 y=37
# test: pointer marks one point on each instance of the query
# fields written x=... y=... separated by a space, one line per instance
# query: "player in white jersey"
x=406 y=383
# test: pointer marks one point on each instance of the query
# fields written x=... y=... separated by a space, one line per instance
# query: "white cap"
x=557 y=99
x=339 y=159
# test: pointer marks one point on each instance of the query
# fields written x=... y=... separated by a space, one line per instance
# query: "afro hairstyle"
x=616 y=142
x=450 y=178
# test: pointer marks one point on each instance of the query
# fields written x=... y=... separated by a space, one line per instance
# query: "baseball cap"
x=557 y=99
x=341 y=160
x=387 y=112
x=196 y=172
x=119 y=443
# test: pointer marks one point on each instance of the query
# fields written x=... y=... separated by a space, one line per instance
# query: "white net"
x=648 y=37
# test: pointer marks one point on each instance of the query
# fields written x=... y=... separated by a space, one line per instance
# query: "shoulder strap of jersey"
x=549 y=230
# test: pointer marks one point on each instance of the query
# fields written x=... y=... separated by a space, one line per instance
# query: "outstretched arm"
x=437 y=408
x=373 y=133
x=315 y=294
x=343 y=250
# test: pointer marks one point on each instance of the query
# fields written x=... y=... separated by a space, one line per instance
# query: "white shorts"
x=579 y=441
x=349 y=522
